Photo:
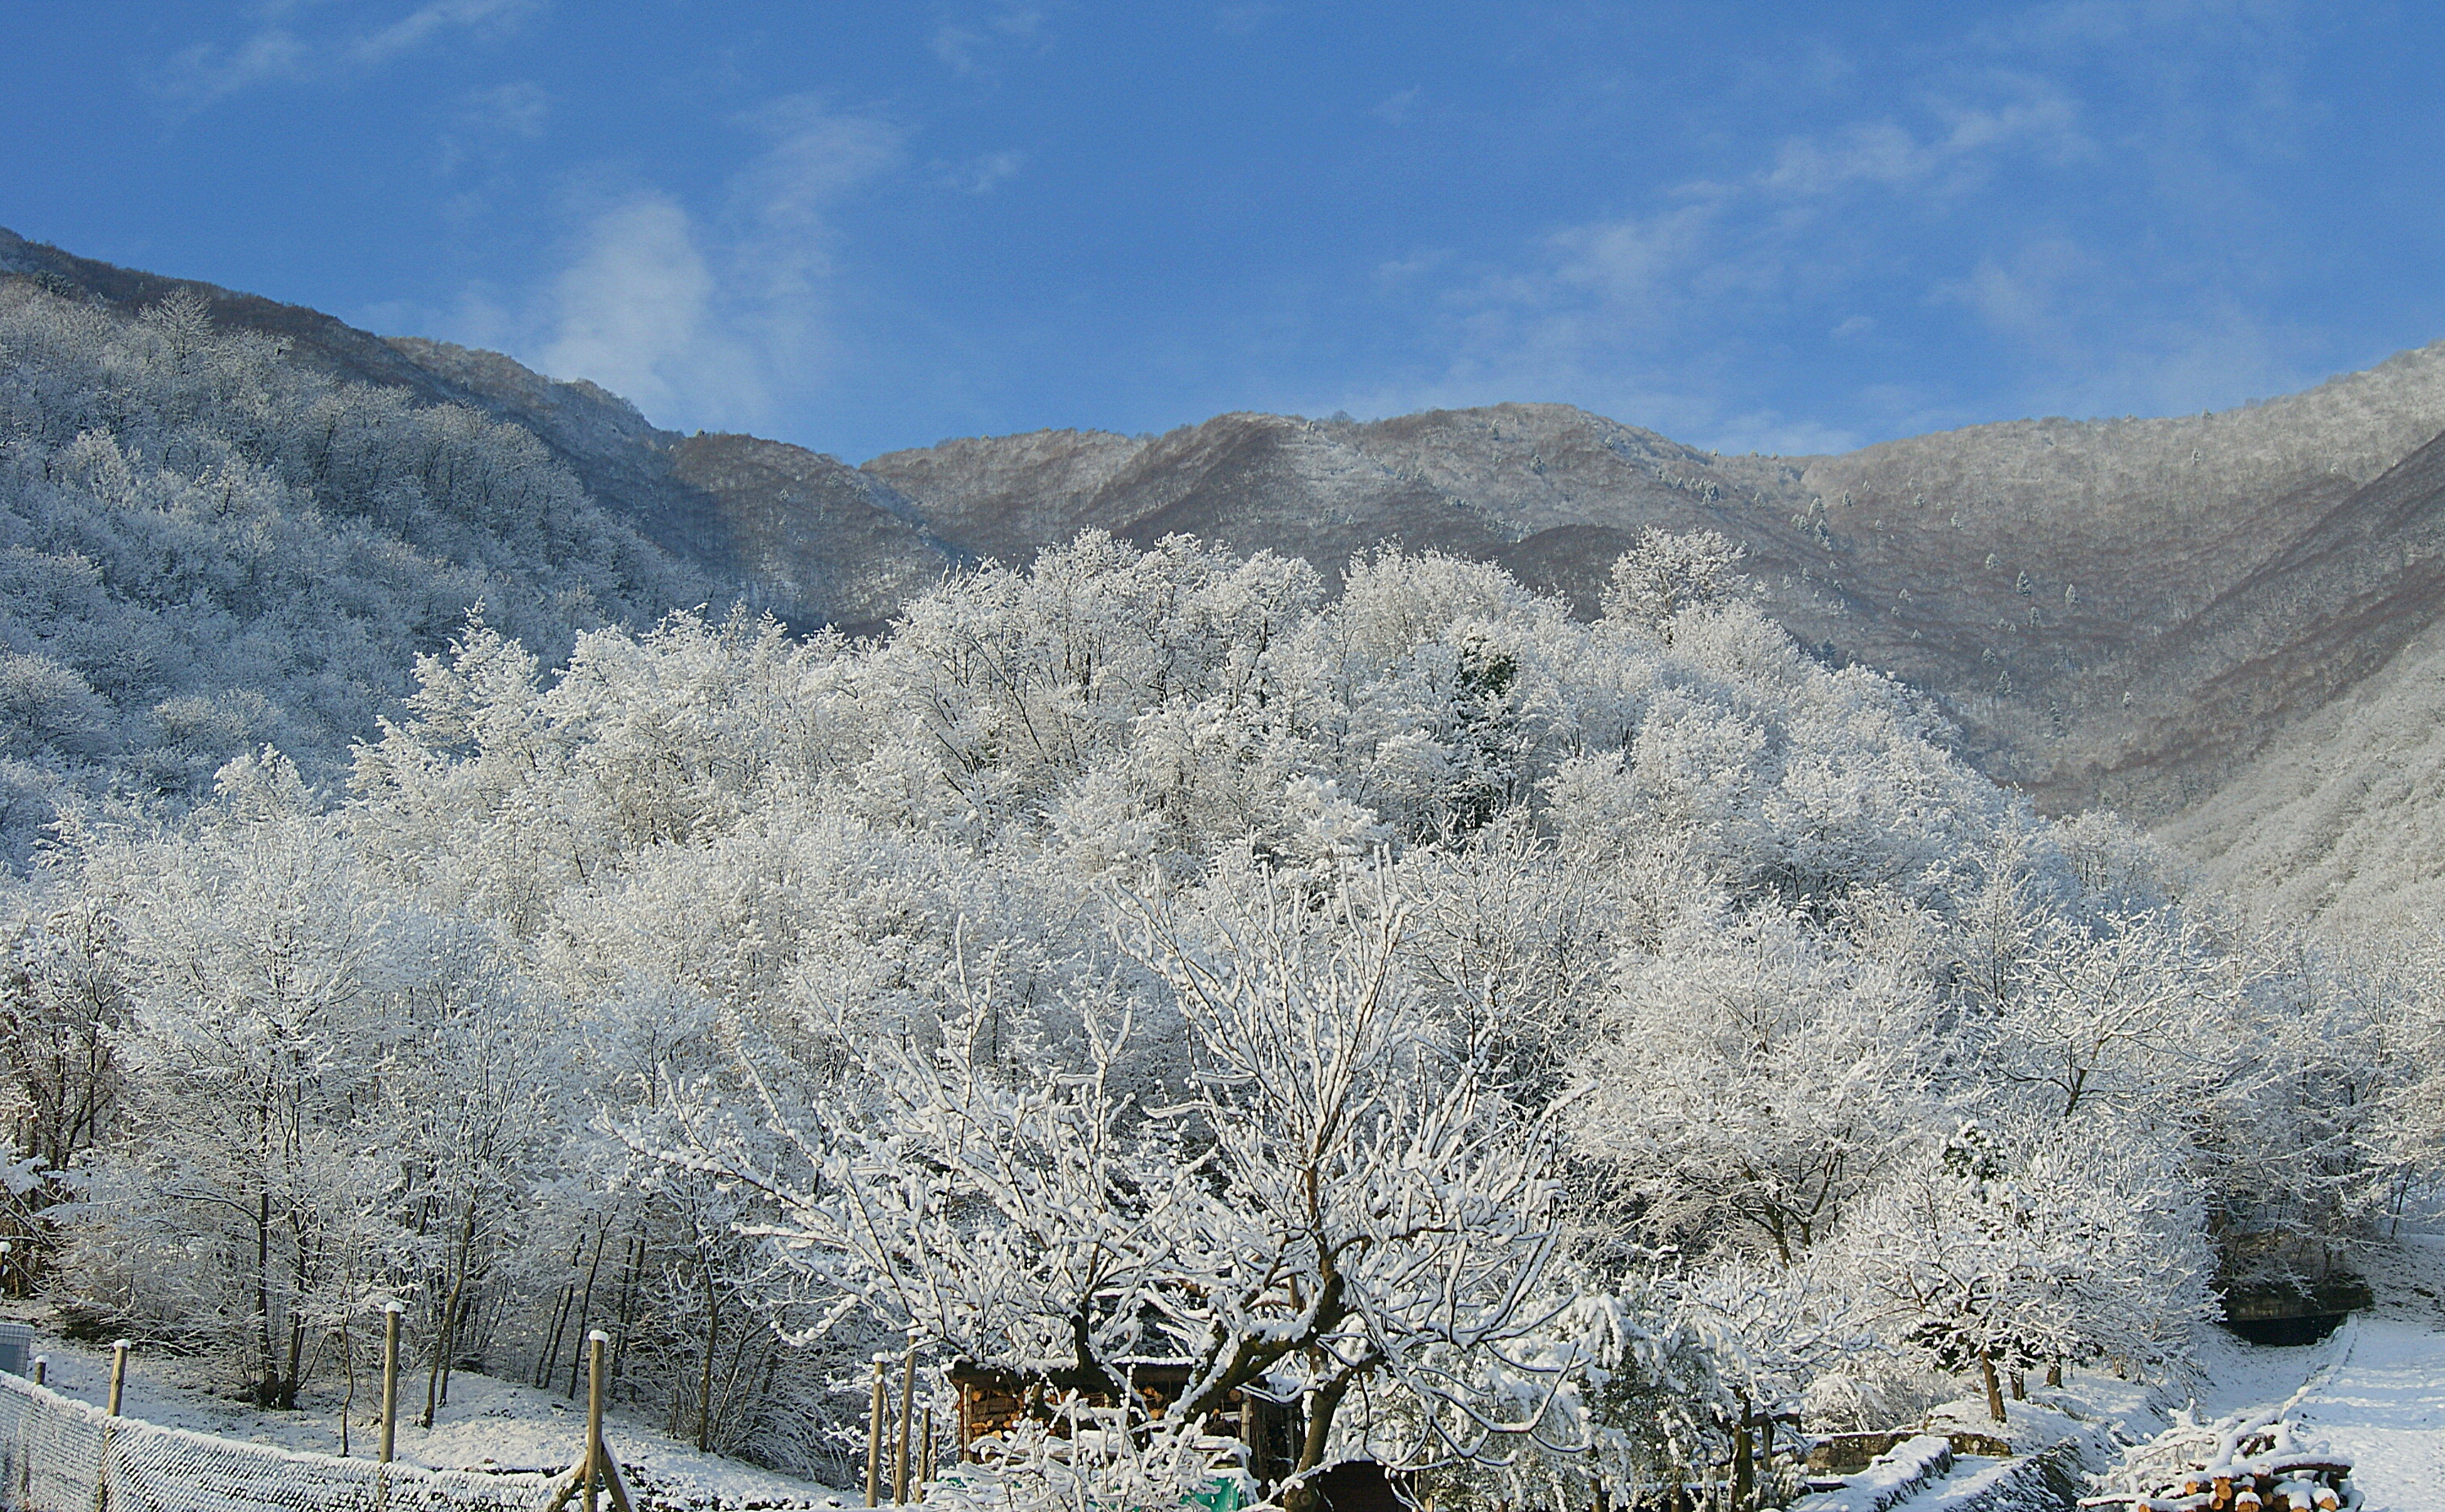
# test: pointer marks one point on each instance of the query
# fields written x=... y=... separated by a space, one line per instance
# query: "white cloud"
x=203 y=73
x=2024 y=296
x=427 y=22
x=1238 y=20
x=968 y=48
x=1664 y=315
x=511 y=110
x=712 y=319
x=1398 y=110
x=634 y=312
x=980 y=174
x=1971 y=140
x=198 y=75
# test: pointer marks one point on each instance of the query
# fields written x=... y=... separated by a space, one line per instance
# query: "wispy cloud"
x=1239 y=19
x=1967 y=143
x=982 y=173
x=518 y=109
x=1397 y=110
x=488 y=123
x=633 y=311
x=198 y=75
x=714 y=318
x=1964 y=191
x=972 y=45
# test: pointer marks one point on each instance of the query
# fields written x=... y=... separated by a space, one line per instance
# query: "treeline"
x=205 y=548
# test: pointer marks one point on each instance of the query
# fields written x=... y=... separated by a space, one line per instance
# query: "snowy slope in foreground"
x=490 y=1424
x=2375 y=1390
x=2383 y=1408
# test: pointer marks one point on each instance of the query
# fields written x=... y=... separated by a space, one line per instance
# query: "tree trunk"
x=266 y=1385
x=292 y=1377
x=712 y=1343
x=347 y=1402
x=1744 y=1456
x=448 y=1341
x=586 y=1308
x=1994 y=1387
x=1302 y=1495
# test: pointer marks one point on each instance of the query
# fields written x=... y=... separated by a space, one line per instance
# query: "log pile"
x=2258 y=1471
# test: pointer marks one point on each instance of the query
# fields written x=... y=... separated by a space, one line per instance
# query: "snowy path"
x=2382 y=1404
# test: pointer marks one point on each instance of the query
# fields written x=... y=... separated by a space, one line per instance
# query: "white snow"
x=489 y=1425
x=2372 y=1394
x=2382 y=1407
x=1893 y=1477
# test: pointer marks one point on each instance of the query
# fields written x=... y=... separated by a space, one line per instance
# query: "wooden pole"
x=907 y=1405
x=874 y=1439
x=592 y=1474
x=1744 y=1456
x=102 y=1457
x=391 y=1313
x=926 y=1457
x=41 y=1368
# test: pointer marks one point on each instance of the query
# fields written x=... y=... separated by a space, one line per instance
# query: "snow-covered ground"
x=2382 y=1407
x=2373 y=1392
x=489 y=1424
x=2377 y=1389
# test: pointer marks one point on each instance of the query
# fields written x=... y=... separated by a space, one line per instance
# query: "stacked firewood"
x=2260 y=1475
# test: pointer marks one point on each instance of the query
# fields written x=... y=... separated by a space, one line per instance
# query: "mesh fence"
x=61 y=1455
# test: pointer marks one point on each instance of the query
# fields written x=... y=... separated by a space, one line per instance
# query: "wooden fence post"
x=907 y=1404
x=593 y=1472
x=101 y=1456
x=875 y=1439
x=391 y=1312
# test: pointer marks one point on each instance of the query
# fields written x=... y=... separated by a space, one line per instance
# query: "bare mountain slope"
x=2113 y=611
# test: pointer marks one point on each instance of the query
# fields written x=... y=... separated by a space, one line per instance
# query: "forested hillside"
x=1520 y=1039
x=1524 y=1036
x=2126 y=613
x=780 y=527
x=205 y=548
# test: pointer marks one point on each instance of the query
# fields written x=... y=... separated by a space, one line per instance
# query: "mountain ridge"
x=2130 y=611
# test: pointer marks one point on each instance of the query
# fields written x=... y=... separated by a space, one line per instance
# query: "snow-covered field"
x=489 y=1424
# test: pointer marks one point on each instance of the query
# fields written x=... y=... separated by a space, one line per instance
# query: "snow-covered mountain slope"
x=2342 y=816
x=787 y=529
x=2197 y=619
x=2116 y=611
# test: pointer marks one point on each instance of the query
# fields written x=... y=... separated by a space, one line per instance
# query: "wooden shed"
x=990 y=1399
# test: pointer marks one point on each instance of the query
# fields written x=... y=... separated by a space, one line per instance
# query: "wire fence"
x=61 y=1455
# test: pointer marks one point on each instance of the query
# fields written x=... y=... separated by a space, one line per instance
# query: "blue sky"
x=861 y=227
